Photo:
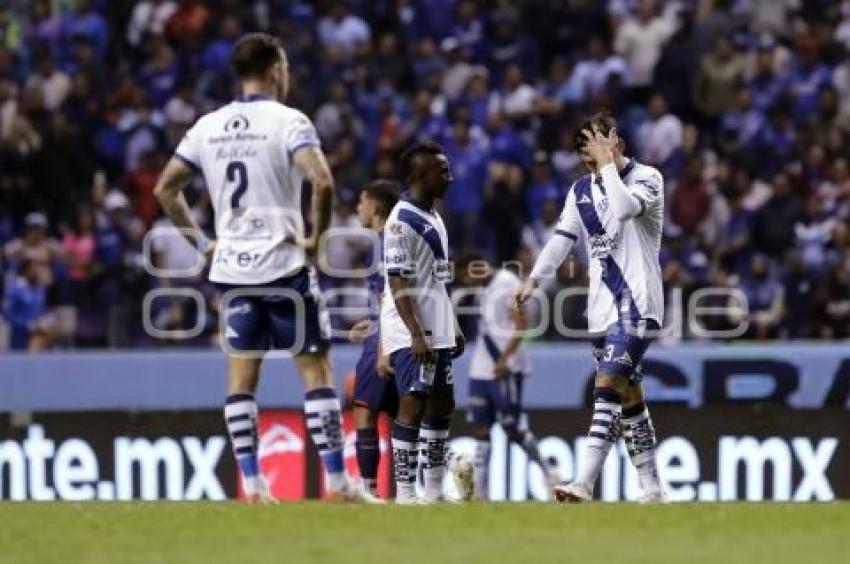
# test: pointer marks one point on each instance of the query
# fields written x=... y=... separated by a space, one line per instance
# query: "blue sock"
x=368 y=457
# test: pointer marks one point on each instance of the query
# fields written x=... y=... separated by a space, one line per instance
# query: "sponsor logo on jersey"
x=237 y=123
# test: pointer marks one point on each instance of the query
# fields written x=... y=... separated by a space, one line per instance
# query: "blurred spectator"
x=690 y=199
x=344 y=30
x=53 y=84
x=148 y=18
x=765 y=298
x=592 y=73
x=464 y=201
x=542 y=186
x=24 y=309
x=721 y=71
x=41 y=252
x=773 y=225
x=458 y=70
x=84 y=20
x=660 y=136
x=640 y=39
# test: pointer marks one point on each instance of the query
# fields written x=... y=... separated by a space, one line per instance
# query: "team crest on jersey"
x=236 y=124
x=395 y=228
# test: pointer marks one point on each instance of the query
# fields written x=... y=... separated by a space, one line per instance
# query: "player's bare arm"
x=383 y=365
x=602 y=150
x=551 y=258
x=460 y=341
x=312 y=162
x=169 y=193
x=400 y=289
x=500 y=367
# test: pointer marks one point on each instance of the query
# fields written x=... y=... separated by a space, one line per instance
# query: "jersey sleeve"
x=398 y=249
x=188 y=150
x=647 y=187
x=569 y=224
x=299 y=133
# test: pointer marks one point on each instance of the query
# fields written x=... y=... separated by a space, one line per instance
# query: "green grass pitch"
x=478 y=533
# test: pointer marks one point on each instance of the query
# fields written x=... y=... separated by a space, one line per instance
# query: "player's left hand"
x=383 y=367
x=600 y=148
x=460 y=345
x=359 y=331
x=310 y=246
x=500 y=368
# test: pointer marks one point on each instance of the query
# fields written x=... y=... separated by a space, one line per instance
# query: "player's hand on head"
x=600 y=148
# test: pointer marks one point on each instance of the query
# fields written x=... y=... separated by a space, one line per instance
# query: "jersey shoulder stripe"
x=586 y=207
x=422 y=227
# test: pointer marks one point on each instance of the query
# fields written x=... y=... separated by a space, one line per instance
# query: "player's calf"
x=324 y=423
x=433 y=435
x=240 y=416
x=368 y=457
x=639 y=436
x=604 y=432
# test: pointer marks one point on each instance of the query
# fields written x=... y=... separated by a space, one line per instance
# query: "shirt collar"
x=630 y=166
x=252 y=98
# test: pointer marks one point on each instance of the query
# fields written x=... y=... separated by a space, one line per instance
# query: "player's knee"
x=614 y=382
x=633 y=395
x=411 y=409
x=364 y=418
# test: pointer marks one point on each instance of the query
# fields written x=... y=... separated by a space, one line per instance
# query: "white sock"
x=240 y=416
x=481 y=469
x=405 y=441
x=324 y=422
x=433 y=436
x=639 y=436
x=604 y=431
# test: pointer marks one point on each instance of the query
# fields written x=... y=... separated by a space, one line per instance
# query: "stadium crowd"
x=744 y=105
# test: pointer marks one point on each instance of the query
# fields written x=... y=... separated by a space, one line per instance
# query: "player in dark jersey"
x=374 y=390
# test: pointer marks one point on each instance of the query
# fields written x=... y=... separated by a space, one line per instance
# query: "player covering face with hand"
x=254 y=155
x=618 y=210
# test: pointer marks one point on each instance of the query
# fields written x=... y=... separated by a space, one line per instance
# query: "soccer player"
x=418 y=326
x=254 y=154
x=374 y=390
x=619 y=209
x=498 y=368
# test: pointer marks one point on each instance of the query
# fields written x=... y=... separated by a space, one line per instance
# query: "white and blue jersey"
x=245 y=151
x=624 y=271
x=416 y=247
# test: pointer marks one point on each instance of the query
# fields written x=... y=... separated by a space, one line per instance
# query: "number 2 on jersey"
x=237 y=173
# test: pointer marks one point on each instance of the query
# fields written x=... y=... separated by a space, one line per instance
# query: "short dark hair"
x=603 y=120
x=385 y=192
x=425 y=147
x=254 y=54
